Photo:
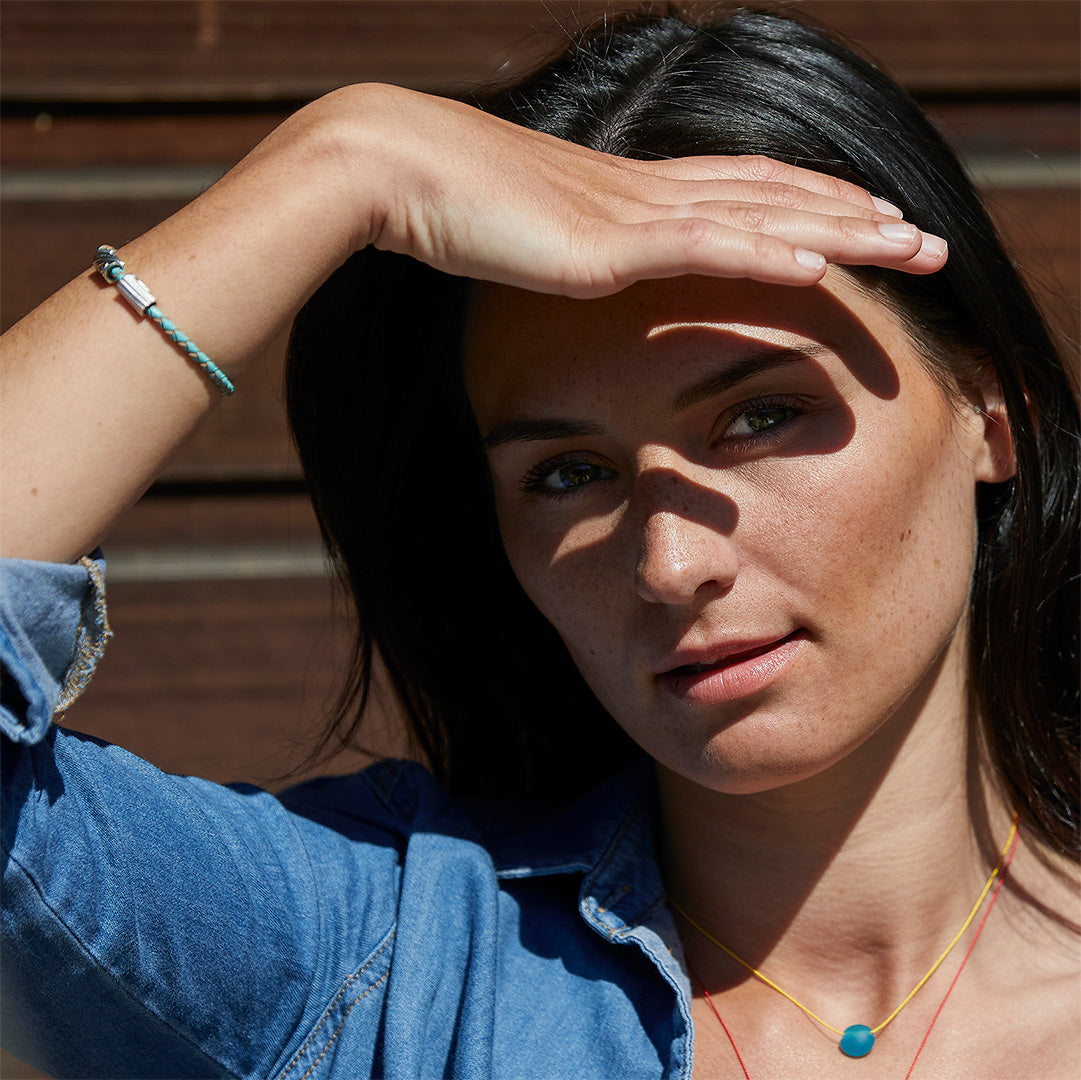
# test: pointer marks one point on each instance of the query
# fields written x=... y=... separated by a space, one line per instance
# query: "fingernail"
x=809 y=260
x=898 y=231
x=934 y=246
x=884 y=207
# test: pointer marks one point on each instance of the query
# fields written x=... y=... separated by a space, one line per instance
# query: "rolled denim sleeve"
x=53 y=631
x=154 y=925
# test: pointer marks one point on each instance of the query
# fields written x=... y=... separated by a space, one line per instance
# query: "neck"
x=851 y=882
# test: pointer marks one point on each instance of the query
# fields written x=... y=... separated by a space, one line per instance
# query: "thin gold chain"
x=911 y=994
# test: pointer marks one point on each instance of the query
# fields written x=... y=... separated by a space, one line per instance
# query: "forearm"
x=96 y=399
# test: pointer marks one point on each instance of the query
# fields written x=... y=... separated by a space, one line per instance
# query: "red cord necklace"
x=1000 y=872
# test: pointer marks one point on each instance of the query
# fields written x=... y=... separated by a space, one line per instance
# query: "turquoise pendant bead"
x=857 y=1041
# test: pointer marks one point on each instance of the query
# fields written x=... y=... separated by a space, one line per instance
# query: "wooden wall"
x=116 y=112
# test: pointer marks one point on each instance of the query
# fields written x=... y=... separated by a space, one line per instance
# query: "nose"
x=686 y=551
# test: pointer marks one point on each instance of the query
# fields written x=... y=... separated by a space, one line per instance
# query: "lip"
x=729 y=671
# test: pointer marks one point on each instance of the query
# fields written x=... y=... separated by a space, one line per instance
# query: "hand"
x=477 y=196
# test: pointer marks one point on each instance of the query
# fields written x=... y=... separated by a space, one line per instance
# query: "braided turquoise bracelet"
x=139 y=296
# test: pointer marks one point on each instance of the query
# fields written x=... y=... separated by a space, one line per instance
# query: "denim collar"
x=573 y=838
x=609 y=837
x=606 y=839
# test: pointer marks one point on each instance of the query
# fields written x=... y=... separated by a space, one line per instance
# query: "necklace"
x=938 y=1011
x=858 y=1039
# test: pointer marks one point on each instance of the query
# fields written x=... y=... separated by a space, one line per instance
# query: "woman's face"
x=747 y=510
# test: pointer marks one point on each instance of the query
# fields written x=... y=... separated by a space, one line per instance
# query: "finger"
x=932 y=256
x=670 y=247
x=783 y=196
x=757 y=169
x=699 y=245
x=691 y=198
x=841 y=239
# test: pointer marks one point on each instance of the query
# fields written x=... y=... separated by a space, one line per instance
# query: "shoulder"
x=391 y=797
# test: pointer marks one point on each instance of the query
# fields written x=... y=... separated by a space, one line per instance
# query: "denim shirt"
x=368 y=925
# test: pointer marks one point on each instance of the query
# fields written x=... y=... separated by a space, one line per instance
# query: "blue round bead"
x=857 y=1041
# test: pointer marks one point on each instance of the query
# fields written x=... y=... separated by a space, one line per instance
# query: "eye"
x=558 y=477
x=761 y=418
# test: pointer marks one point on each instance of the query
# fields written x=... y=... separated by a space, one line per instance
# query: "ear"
x=992 y=443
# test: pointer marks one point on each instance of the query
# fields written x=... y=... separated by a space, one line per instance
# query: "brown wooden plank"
x=262 y=50
x=56 y=241
x=1041 y=230
x=58 y=140
x=115 y=140
x=1016 y=127
x=957 y=45
x=285 y=520
x=225 y=680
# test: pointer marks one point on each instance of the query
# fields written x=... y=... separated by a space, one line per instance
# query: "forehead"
x=523 y=346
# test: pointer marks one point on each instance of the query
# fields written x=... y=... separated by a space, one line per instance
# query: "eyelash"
x=794 y=406
x=534 y=481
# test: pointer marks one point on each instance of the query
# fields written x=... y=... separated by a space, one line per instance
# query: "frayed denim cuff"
x=53 y=631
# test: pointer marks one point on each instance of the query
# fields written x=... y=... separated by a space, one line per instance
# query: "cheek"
x=567 y=570
x=580 y=577
x=888 y=543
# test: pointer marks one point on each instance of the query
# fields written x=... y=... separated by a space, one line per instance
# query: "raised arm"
x=95 y=399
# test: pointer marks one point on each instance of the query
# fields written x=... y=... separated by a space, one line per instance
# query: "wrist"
x=344 y=144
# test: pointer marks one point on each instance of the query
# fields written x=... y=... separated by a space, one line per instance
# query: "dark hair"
x=400 y=482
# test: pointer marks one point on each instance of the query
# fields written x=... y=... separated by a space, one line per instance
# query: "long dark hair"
x=400 y=483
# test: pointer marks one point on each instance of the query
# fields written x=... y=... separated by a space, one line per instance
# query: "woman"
x=779 y=521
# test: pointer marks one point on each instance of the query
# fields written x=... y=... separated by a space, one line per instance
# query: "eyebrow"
x=751 y=363
x=526 y=429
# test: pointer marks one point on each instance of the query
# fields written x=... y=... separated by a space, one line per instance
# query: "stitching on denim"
x=89 y=647
x=338 y=1029
x=337 y=997
x=650 y=909
x=635 y=920
x=613 y=898
x=610 y=852
x=629 y=819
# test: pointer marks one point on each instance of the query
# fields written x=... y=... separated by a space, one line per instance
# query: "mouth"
x=729 y=658
x=733 y=673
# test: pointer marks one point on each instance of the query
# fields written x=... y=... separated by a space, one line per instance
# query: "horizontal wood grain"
x=231 y=681
x=59 y=139
x=221 y=518
x=260 y=50
x=119 y=139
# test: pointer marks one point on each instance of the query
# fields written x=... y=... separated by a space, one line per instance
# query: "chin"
x=765 y=753
x=752 y=778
